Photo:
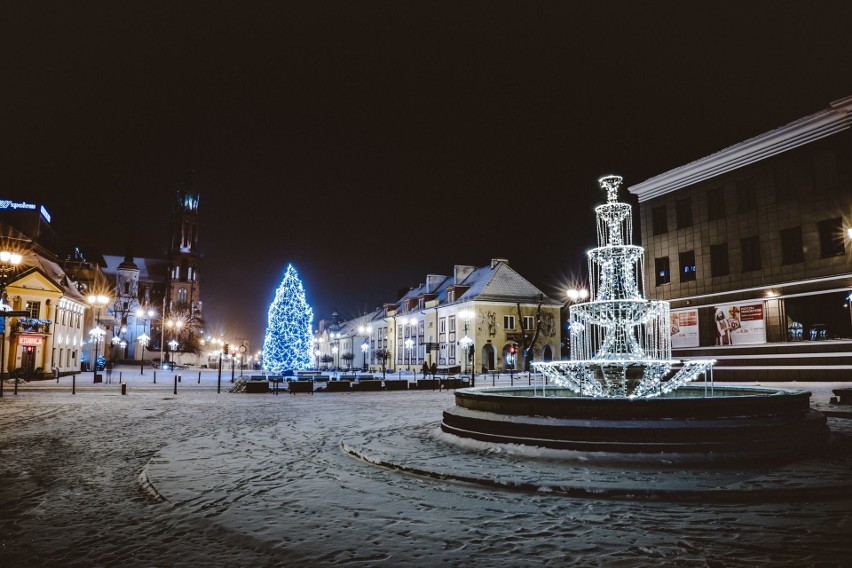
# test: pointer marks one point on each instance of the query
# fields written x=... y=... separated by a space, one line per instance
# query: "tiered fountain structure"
x=622 y=392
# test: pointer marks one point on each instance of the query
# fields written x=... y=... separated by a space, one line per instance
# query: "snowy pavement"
x=200 y=479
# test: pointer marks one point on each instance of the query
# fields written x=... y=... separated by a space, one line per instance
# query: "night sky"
x=372 y=143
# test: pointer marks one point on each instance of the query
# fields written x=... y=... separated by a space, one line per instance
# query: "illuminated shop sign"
x=8 y=204
x=29 y=340
x=44 y=213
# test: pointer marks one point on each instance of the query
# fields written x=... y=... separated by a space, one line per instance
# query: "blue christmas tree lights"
x=288 y=341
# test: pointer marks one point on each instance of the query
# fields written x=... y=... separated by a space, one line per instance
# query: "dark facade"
x=752 y=246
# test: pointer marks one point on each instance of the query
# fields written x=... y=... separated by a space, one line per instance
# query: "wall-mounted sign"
x=739 y=324
x=684 y=328
x=44 y=213
x=8 y=204
x=29 y=340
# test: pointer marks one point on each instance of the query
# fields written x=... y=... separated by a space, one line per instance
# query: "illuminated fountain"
x=622 y=393
x=620 y=342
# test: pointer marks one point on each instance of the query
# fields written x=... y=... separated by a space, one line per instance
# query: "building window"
x=751 y=253
x=529 y=322
x=791 y=245
x=508 y=322
x=451 y=296
x=687 y=266
x=683 y=211
x=715 y=203
x=658 y=220
x=661 y=270
x=719 y=260
x=34 y=308
x=746 y=195
x=831 y=237
x=181 y=297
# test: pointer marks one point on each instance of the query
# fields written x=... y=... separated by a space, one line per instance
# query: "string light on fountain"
x=620 y=342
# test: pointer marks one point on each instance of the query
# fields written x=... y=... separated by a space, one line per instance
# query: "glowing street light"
x=97 y=301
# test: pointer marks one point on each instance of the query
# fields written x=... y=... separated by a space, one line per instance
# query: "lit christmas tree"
x=288 y=340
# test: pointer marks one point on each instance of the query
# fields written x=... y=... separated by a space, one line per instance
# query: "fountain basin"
x=741 y=423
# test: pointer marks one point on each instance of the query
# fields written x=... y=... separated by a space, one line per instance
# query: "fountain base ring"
x=739 y=423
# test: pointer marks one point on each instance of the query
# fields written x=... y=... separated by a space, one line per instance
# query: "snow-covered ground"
x=207 y=479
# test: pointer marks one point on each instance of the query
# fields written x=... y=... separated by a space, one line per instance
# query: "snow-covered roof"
x=151 y=269
x=502 y=283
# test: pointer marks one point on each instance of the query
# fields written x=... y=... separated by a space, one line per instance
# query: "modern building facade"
x=753 y=247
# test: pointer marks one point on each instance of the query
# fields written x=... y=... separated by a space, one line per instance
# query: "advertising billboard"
x=739 y=324
x=684 y=328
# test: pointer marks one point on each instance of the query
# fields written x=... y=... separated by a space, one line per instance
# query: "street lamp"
x=468 y=344
x=143 y=342
x=412 y=321
x=577 y=294
x=409 y=343
x=8 y=262
x=141 y=314
x=173 y=345
x=98 y=301
x=365 y=330
x=175 y=325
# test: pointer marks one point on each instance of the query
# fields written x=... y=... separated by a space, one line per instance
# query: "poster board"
x=684 y=328
x=739 y=324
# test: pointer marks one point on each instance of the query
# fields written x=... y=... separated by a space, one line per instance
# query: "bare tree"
x=530 y=337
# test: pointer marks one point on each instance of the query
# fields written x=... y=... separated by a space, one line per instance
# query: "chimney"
x=334 y=318
x=461 y=271
x=433 y=281
x=496 y=261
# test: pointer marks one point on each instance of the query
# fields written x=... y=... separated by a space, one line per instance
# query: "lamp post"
x=173 y=345
x=97 y=301
x=365 y=330
x=176 y=326
x=143 y=342
x=334 y=351
x=409 y=343
x=8 y=262
x=468 y=344
x=141 y=314
x=317 y=354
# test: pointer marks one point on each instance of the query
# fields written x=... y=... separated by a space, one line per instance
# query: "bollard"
x=179 y=378
x=119 y=376
x=74 y=383
x=123 y=388
x=493 y=378
x=155 y=377
x=511 y=380
x=199 y=377
x=529 y=379
x=176 y=377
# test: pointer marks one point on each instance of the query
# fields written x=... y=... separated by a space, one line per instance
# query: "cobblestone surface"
x=199 y=479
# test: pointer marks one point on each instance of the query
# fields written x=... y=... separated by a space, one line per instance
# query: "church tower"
x=183 y=299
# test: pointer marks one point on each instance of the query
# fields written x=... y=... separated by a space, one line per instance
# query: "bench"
x=306 y=385
x=255 y=386
x=844 y=396
x=454 y=383
x=368 y=385
x=347 y=377
x=277 y=381
x=428 y=384
x=396 y=384
x=317 y=378
x=338 y=386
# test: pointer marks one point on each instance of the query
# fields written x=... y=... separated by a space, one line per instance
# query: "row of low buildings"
x=68 y=292
x=479 y=318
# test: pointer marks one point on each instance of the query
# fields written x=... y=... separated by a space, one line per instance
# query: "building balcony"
x=29 y=325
